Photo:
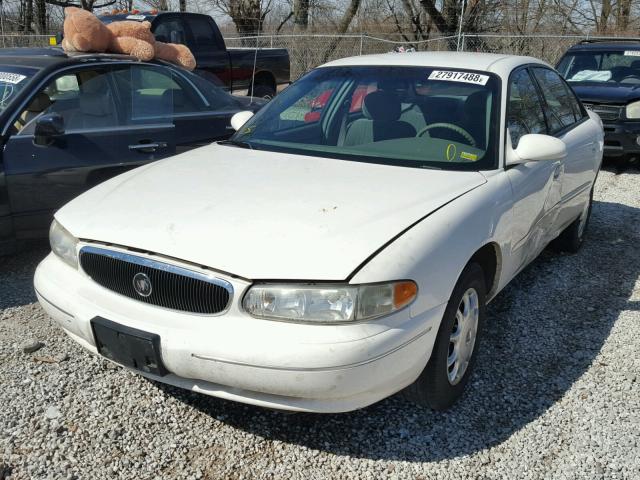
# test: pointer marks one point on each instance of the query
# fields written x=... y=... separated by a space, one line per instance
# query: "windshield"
x=602 y=66
x=12 y=80
x=406 y=116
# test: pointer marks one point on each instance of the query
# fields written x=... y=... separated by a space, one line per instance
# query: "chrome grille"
x=606 y=112
x=170 y=286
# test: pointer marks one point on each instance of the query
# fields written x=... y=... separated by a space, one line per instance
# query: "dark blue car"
x=69 y=122
x=606 y=77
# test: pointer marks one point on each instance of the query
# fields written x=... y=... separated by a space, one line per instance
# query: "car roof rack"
x=609 y=40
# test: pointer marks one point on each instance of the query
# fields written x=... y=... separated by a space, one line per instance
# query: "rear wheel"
x=263 y=91
x=443 y=380
x=572 y=237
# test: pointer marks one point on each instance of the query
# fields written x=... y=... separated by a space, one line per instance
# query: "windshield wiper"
x=236 y=143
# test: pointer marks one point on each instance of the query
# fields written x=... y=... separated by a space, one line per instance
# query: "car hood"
x=599 y=92
x=262 y=215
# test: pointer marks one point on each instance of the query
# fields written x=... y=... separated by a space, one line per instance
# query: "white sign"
x=632 y=53
x=464 y=77
x=8 y=77
x=136 y=17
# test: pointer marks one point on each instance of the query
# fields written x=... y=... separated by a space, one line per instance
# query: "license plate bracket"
x=128 y=346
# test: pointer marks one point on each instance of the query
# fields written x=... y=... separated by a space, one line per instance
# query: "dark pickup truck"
x=232 y=68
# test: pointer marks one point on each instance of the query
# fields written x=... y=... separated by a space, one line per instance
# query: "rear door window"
x=171 y=30
x=559 y=106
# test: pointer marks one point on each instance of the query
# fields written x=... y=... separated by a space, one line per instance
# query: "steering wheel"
x=450 y=126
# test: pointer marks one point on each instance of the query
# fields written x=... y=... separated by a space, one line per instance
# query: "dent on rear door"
x=583 y=148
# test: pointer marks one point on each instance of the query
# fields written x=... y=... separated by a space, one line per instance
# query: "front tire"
x=443 y=380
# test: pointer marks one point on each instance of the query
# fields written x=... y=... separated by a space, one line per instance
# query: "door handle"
x=148 y=147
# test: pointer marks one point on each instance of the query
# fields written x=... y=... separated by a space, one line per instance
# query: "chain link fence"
x=309 y=51
x=18 y=40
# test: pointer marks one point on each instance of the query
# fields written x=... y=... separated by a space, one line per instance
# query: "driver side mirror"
x=48 y=128
x=535 y=147
x=240 y=118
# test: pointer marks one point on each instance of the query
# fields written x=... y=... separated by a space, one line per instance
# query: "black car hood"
x=600 y=92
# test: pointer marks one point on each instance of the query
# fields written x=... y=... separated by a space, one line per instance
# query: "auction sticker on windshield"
x=14 y=78
x=465 y=77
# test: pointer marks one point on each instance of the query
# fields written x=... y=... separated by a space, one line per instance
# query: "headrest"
x=97 y=84
x=40 y=103
x=476 y=100
x=381 y=106
x=95 y=104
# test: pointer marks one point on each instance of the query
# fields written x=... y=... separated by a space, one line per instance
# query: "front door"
x=536 y=186
x=99 y=139
x=583 y=140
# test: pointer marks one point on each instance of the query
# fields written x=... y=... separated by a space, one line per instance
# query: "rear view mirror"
x=535 y=147
x=48 y=127
x=240 y=118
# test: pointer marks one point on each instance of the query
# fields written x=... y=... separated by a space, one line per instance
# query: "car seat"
x=95 y=106
x=381 y=110
x=38 y=105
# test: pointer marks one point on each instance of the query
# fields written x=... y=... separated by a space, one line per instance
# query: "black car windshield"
x=619 y=66
x=406 y=116
x=12 y=80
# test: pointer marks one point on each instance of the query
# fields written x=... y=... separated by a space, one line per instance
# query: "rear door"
x=101 y=139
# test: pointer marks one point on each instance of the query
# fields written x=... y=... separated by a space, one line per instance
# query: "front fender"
x=435 y=251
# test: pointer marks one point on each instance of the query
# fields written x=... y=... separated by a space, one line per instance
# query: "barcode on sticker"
x=632 y=53
x=8 y=77
x=465 y=77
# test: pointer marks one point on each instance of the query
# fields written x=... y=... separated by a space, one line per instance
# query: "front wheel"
x=443 y=380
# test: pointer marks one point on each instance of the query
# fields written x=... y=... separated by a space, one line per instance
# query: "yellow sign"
x=451 y=152
x=53 y=41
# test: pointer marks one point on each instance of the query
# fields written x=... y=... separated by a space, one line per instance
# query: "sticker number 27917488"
x=464 y=77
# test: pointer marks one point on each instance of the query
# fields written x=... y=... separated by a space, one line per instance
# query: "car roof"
x=500 y=64
x=600 y=45
x=48 y=56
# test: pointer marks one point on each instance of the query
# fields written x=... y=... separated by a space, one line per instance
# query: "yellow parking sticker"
x=469 y=156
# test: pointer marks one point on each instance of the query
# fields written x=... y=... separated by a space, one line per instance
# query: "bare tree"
x=247 y=15
x=342 y=27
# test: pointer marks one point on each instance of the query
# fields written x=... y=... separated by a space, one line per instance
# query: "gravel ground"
x=556 y=394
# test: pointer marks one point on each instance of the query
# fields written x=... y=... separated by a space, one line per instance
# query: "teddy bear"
x=84 y=32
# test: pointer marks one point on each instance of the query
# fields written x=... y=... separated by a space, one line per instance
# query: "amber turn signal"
x=404 y=293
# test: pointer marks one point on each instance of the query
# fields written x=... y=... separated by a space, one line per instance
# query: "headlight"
x=63 y=244
x=328 y=303
x=633 y=110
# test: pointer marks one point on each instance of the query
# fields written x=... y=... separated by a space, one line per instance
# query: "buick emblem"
x=142 y=284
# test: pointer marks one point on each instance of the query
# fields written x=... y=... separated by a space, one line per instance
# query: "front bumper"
x=621 y=139
x=317 y=368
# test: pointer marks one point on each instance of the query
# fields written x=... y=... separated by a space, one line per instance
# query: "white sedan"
x=342 y=246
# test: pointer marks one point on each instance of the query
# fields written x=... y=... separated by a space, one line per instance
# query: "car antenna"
x=255 y=59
